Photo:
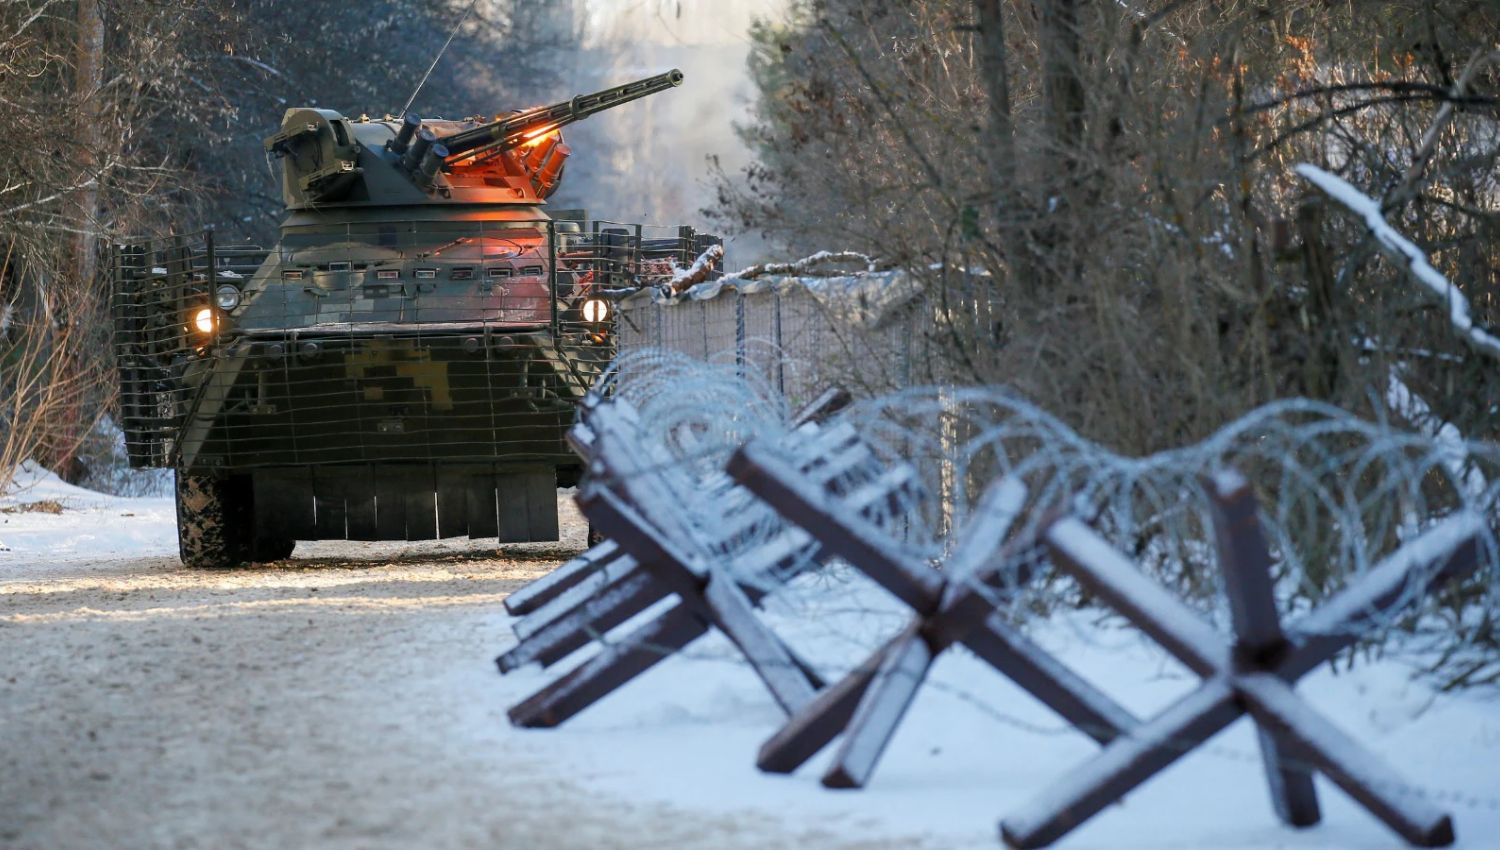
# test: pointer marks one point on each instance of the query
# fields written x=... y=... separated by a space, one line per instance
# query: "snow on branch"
x=1406 y=254
x=812 y=266
x=698 y=272
x=1447 y=438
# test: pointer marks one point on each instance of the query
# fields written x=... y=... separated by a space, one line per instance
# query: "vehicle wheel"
x=211 y=522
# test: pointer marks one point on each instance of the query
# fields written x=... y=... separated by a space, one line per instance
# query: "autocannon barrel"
x=513 y=130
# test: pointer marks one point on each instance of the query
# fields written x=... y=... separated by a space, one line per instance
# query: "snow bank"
x=91 y=526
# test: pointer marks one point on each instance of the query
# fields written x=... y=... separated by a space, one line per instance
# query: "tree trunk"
x=1062 y=85
x=1061 y=145
x=992 y=56
x=1010 y=214
x=88 y=77
x=72 y=425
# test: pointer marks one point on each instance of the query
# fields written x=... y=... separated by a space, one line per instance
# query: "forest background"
x=1119 y=174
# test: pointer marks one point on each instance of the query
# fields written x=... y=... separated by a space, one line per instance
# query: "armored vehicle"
x=404 y=363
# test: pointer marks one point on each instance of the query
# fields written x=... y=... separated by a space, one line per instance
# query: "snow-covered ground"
x=350 y=700
x=974 y=746
x=91 y=527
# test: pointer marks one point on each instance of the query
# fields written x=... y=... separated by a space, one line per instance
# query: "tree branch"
x=1408 y=256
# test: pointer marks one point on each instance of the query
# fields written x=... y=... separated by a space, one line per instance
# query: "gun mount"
x=517 y=158
x=513 y=130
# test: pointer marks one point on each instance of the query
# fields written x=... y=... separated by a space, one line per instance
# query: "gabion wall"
x=868 y=333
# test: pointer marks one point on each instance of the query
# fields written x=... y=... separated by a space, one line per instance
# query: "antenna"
x=437 y=58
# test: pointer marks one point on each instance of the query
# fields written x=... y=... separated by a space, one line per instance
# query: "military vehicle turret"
x=405 y=361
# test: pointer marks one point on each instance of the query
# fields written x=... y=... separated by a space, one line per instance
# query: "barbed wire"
x=1336 y=492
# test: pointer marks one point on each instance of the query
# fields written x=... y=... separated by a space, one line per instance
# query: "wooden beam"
x=1245 y=563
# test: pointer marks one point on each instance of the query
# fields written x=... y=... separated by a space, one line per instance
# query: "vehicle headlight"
x=229 y=297
x=203 y=320
x=595 y=310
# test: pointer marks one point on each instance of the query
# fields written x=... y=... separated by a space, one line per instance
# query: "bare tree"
x=1123 y=173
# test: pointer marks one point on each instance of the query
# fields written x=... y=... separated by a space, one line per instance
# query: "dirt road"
x=343 y=699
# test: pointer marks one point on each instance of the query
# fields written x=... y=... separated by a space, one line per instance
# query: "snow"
x=861 y=299
x=807 y=266
x=91 y=526
x=971 y=749
x=1413 y=408
x=697 y=272
x=1227 y=481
